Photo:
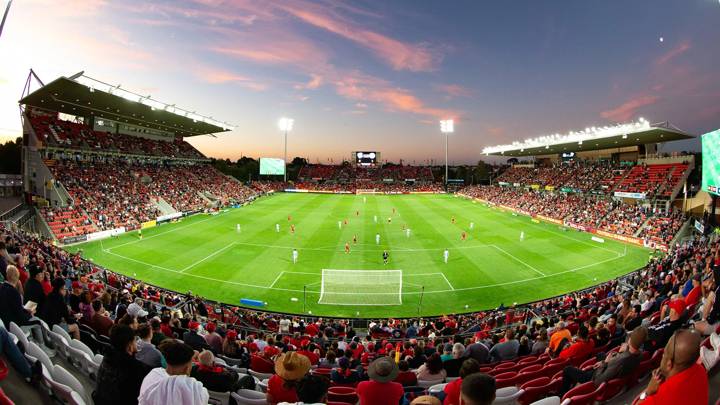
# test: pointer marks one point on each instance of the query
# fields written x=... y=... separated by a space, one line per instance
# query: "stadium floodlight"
x=285 y=125
x=588 y=134
x=446 y=127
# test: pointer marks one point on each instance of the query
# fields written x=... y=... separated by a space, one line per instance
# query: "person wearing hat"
x=135 y=309
x=290 y=368
x=659 y=334
x=231 y=347
x=616 y=365
x=213 y=338
x=192 y=338
x=381 y=388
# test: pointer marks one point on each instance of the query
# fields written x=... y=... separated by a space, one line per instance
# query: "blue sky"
x=362 y=75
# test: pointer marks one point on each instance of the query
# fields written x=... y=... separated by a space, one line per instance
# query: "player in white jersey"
x=446 y=255
x=472 y=225
x=407 y=232
x=237 y=228
x=522 y=235
x=364 y=200
x=377 y=238
x=277 y=228
x=295 y=256
x=339 y=224
x=375 y=218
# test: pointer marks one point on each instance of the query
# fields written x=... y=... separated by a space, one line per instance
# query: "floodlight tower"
x=285 y=125
x=447 y=128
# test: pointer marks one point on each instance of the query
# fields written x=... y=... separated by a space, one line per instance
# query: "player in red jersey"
x=463 y=236
x=347 y=248
x=289 y=218
x=292 y=228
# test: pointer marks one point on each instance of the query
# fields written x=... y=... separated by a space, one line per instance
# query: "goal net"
x=361 y=287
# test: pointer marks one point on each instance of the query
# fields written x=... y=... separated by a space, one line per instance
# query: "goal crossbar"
x=361 y=287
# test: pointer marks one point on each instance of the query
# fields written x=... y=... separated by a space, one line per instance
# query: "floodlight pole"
x=7 y=11
x=446 y=160
x=285 y=158
x=446 y=127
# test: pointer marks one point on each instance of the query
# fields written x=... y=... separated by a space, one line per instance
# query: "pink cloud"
x=673 y=53
x=628 y=109
x=399 y=55
x=366 y=88
x=453 y=90
x=221 y=76
x=314 y=82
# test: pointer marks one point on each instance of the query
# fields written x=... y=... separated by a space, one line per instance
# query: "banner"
x=699 y=226
x=637 y=196
x=622 y=238
x=168 y=217
x=503 y=183
x=550 y=188
x=535 y=186
x=148 y=224
x=548 y=219
x=74 y=239
x=105 y=234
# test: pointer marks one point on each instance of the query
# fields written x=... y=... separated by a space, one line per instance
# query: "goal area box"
x=361 y=287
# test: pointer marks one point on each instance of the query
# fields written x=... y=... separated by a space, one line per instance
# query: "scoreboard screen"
x=711 y=162
x=366 y=158
x=567 y=156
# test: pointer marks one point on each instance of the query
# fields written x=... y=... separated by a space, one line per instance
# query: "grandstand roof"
x=86 y=97
x=644 y=134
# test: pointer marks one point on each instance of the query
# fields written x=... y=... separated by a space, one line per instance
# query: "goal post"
x=361 y=287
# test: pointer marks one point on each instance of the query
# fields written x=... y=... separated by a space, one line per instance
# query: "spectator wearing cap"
x=311 y=390
x=146 y=351
x=34 y=290
x=290 y=368
x=432 y=369
x=231 y=347
x=659 y=335
x=100 y=322
x=56 y=311
x=452 y=389
x=477 y=389
x=616 y=365
x=214 y=377
x=192 y=339
x=679 y=379
x=120 y=374
x=173 y=385
x=381 y=388
x=213 y=339
x=135 y=309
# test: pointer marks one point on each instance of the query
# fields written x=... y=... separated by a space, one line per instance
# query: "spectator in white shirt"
x=173 y=385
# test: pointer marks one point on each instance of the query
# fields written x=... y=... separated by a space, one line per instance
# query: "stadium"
x=143 y=265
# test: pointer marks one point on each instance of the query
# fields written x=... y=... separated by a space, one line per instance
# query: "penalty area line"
x=276 y=279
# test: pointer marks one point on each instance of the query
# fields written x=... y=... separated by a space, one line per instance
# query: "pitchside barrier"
x=361 y=287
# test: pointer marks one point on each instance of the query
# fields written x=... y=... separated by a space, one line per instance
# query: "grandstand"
x=98 y=165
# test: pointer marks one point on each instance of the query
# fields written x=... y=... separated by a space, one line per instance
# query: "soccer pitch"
x=207 y=255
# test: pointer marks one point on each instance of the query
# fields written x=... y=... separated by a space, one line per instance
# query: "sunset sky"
x=379 y=75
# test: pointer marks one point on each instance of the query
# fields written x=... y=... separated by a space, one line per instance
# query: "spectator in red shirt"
x=309 y=352
x=694 y=295
x=679 y=379
x=406 y=377
x=381 y=390
x=452 y=389
x=582 y=346
x=289 y=369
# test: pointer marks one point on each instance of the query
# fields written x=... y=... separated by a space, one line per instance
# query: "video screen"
x=711 y=162
x=272 y=166
x=366 y=158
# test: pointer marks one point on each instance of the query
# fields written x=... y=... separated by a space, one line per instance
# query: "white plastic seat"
x=65 y=393
x=262 y=386
x=451 y=379
x=249 y=397
x=60 y=344
x=82 y=346
x=436 y=389
x=63 y=377
x=36 y=352
x=20 y=334
x=428 y=383
x=548 y=401
x=507 y=395
x=62 y=332
x=260 y=376
x=219 y=398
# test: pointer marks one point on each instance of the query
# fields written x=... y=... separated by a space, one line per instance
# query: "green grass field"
x=206 y=254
